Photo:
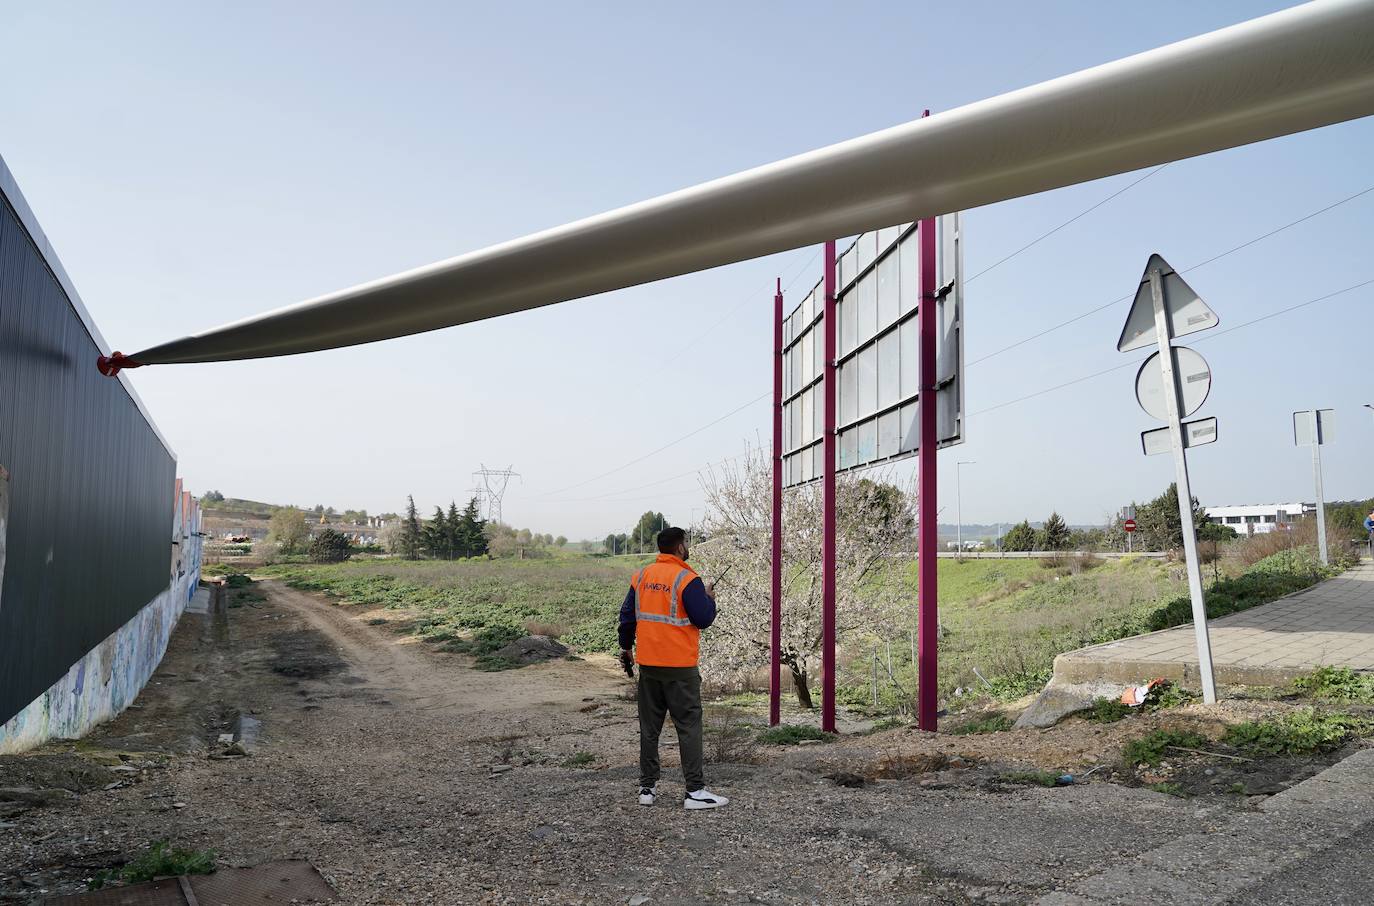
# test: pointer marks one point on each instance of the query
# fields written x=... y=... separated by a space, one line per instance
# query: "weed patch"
x=1106 y=711
x=1339 y=684
x=159 y=861
x=790 y=735
x=1030 y=778
x=1304 y=732
x=1150 y=748
x=988 y=723
x=579 y=760
x=1170 y=789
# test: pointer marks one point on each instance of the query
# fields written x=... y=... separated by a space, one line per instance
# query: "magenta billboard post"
x=775 y=646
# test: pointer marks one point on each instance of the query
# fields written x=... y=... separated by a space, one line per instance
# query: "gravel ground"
x=408 y=778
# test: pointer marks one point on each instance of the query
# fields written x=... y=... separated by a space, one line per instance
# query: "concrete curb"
x=1220 y=863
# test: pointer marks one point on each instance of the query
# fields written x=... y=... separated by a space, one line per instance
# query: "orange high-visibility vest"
x=664 y=636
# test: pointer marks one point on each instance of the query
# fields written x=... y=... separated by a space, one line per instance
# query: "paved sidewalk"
x=1330 y=624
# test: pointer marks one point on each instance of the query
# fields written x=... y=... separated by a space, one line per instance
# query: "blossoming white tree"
x=875 y=525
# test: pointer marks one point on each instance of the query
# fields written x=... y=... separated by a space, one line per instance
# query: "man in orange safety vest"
x=660 y=629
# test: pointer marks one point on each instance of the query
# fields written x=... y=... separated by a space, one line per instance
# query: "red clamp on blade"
x=112 y=364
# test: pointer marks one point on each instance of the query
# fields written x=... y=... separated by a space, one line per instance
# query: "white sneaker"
x=704 y=798
x=647 y=794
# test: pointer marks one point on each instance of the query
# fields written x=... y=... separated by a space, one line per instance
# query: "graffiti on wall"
x=109 y=677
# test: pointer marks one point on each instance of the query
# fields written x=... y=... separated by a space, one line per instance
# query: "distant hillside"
x=237 y=505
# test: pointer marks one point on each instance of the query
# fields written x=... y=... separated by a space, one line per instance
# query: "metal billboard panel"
x=877 y=299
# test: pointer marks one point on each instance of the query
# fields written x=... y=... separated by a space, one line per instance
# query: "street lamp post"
x=959 y=501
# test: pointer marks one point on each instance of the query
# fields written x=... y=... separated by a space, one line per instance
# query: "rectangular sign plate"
x=1195 y=434
x=1303 y=427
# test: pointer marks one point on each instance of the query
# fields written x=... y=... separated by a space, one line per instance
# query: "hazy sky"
x=194 y=166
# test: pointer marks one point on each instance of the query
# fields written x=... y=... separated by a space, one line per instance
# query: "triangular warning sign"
x=1187 y=313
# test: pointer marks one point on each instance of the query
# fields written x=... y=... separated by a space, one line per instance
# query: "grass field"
x=1002 y=621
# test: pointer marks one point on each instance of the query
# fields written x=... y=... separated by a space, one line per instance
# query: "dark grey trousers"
x=675 y=691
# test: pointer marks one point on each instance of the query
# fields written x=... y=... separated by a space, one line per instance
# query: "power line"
x=671 y=443
x=1061 y=226
x=1136 y=363
x=1231 y=251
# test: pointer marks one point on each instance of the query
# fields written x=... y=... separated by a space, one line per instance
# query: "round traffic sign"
x=1129 y=525
x=1194 y=377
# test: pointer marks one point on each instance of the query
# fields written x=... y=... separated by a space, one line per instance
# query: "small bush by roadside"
x=1150 y=748
x=1339 y=684
x=1303 y=732
x=728 y=738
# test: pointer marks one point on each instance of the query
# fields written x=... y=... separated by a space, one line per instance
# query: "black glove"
x=627 y=661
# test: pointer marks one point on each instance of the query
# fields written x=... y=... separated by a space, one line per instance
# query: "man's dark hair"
x=669 y=539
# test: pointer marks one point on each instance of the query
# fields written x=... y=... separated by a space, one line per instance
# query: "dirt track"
x=408 y=778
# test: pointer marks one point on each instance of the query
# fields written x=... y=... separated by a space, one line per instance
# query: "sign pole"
x=1174 y=402
x=1317 y=474
x=775 y=667
x=828 y=515
x=927 y=612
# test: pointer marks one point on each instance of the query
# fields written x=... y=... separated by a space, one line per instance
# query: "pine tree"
x=453 y=533
x=433 y=534
x=1021 y=537
x=1055 y=534
x=411 y=538
x=472 y=539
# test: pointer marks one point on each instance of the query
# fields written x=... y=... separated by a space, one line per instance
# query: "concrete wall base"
x=107 y=679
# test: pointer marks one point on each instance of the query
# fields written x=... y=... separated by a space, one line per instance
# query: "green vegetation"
x=1150 y=748
x=452 y=598
x=1303 y=732
x=579 y=760
x=159 y=861
x=1170 y=789
x=1107 y=710
x=330 y=546
x=791 y=734
x=1271 y=578
x=988 y=723
x=1339 y=684
x=1031 y=778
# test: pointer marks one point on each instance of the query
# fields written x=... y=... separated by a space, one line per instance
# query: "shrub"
x=1337 y=684
x=1107 y=710
x=1303 y=732
x=791 y=734
x=159 y=861
x=330 y=546
x=1150 y=748
x=727 y=738
x=1271 y=578
x=491 y=663
x=987 y=723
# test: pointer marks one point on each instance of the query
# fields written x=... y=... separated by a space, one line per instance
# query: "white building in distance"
x=1256 y=519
